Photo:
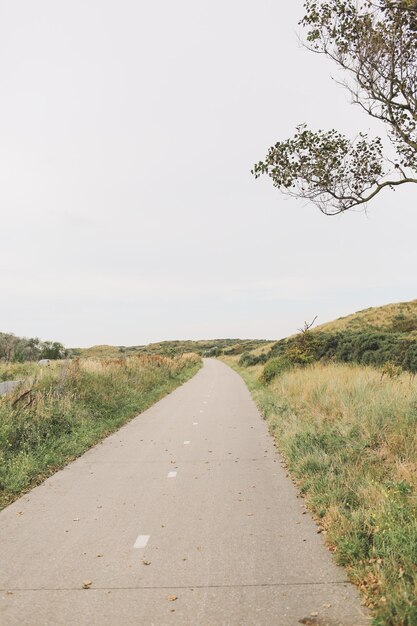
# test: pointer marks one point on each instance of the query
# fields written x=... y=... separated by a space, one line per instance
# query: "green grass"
x=349 y=440
x=17 y=371
x=49 y=422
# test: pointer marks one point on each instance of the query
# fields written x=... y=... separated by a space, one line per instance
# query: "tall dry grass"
x=17 y=371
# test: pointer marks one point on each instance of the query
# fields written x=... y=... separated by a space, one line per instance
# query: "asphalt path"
x=183 y=517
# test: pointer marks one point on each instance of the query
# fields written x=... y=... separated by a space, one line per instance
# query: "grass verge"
x=17 y=371
x=349 y=439
x=48 y=422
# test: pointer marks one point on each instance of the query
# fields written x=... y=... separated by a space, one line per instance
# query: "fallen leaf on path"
x=172 y=598
x=87 y=584
x=99 y=555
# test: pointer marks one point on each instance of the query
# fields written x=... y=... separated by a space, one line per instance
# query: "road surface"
x=184 y=517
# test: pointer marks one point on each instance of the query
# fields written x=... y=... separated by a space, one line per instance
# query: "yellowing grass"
x=381 y=317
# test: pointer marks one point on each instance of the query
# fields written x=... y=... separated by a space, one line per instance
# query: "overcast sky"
x=128 y=213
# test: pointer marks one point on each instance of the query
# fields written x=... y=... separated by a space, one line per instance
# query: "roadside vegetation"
x=341 y=403
x=55 y=416
x=17 y=371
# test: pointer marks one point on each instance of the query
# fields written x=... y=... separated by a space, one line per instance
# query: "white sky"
x=128 y=213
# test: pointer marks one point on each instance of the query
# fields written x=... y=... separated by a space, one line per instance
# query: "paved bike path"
x=183 y=517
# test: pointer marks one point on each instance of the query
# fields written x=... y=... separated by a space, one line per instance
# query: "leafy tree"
x=375 y=43
x=20 y=349
x=27 y=349
x=7 y=346
x=52 y=350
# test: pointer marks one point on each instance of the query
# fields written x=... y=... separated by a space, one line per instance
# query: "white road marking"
x=172 y=474
x=186 y=443
x=141 y=541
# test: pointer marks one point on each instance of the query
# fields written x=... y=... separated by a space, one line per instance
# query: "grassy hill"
x=203 y=347
x=397 y=317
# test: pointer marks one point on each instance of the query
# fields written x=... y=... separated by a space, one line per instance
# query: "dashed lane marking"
x=141 y=541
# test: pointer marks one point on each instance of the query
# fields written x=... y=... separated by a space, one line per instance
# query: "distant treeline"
x=19 y=349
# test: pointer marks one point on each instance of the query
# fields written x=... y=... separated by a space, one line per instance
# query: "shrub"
x=410 y=359
x=364 y=347
x=247 y=359
x=274 y=368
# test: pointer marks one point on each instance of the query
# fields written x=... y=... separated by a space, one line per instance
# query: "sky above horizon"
x=128 y=213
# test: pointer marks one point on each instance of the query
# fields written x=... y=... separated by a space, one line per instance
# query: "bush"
x=247 y=359
x=364 y=347
x=274 y=368
x=410 y=359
